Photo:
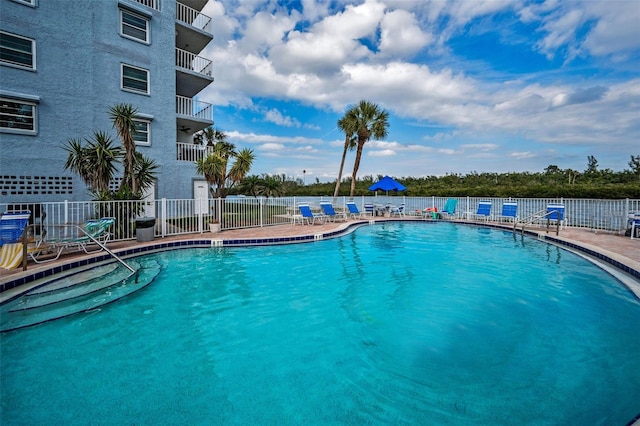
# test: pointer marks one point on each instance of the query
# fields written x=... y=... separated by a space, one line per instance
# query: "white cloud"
x=400 y=35
x=480 y=146
x=270 y=147
x=617 y=28
x=253 y=138
x=275 y=116
x=329 y=43
x=382 y=153
x=265 y=30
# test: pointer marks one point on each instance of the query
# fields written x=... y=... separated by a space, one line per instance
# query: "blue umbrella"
x=387 y=184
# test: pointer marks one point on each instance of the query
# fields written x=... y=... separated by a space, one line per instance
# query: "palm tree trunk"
x=356 y=165
x=344 y=156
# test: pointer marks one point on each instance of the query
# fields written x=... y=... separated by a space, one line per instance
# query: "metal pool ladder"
x=538 y=215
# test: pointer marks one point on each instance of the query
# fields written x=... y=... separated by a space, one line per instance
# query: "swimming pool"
x=393 y=324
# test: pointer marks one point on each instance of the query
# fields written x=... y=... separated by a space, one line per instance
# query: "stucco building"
x=64 y=63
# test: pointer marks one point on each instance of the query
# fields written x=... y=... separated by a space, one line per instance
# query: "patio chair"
x=634 y=221
x=12 y=228
x=483 y=211
x=369 y=209
x=309 y=216
x=555 y=212
x=69 y=237
x=509 y=211
x=354 y=213
x=330 y=213
x=449 y=209
x=429 y=213
x=397 y=210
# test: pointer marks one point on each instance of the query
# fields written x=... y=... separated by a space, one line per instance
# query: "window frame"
x=32 y=52
x=30 y=3
x=147 y=30
x=24 y=102
x=147 y=90
x=147 y=141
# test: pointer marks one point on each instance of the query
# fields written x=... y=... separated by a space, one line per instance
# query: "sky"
x=470 y=86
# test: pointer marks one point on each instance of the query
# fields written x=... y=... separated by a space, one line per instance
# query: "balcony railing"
x=192 y=62
x=192 y=17
x=153 y=4
x=194 y=108
x=192 y=152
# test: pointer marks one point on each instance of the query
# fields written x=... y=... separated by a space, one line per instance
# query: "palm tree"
x=122 y=116
x=94 y=162
x=251 y=185
x=346 y=124
x=145 y=172
x=271 y=186
x=214 y=166
x=370 y=121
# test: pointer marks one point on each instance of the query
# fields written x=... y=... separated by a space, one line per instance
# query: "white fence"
x=187 y=216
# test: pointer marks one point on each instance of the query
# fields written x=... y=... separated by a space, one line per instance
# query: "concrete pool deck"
x=619 y=251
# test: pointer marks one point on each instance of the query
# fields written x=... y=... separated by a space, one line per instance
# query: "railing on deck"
x=153 y=4
x=191 y=152
x=194 y=108
x=193 y=62
x=186 y=216
x=192 y=17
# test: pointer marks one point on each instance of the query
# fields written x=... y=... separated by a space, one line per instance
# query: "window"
x=27 y=2
x=142 y=136
x=135 y=79
x=18 y=116
x=134 y=26
x=17 y=51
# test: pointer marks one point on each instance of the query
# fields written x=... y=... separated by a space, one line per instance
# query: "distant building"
x=64 y=63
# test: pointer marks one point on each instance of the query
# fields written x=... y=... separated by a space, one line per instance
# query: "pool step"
x=74 y=279
x=69 y=296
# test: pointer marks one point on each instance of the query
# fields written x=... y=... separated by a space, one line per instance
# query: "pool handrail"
x=546 y=213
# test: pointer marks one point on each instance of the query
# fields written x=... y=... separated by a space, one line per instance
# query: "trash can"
x=145 y=229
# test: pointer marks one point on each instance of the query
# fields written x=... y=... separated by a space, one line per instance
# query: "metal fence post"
x=163 y=215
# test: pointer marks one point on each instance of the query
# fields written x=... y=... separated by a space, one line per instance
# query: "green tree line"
x=552 y=182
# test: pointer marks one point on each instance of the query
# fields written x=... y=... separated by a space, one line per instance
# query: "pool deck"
x=623 y=250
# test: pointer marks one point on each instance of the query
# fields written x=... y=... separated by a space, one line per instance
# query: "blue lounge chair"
x=484 y=210
x=634 y=221
x=354 y=213
x=449 y=209
x=309 y=216
x=555 y=212
x=509 y=211
x=370 y=209
x=330 y=214
x=12 y=228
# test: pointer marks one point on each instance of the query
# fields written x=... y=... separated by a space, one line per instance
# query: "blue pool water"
x=392 y=324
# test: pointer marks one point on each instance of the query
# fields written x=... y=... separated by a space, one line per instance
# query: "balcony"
x=193 y=115
x=153 y=4
x=193 y=73
x=191 y=152
x=193 y=29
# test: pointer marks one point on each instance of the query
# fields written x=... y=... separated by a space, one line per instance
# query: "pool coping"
x=11 y=288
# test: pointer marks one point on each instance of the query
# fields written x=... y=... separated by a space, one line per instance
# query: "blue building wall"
x=79 y=51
